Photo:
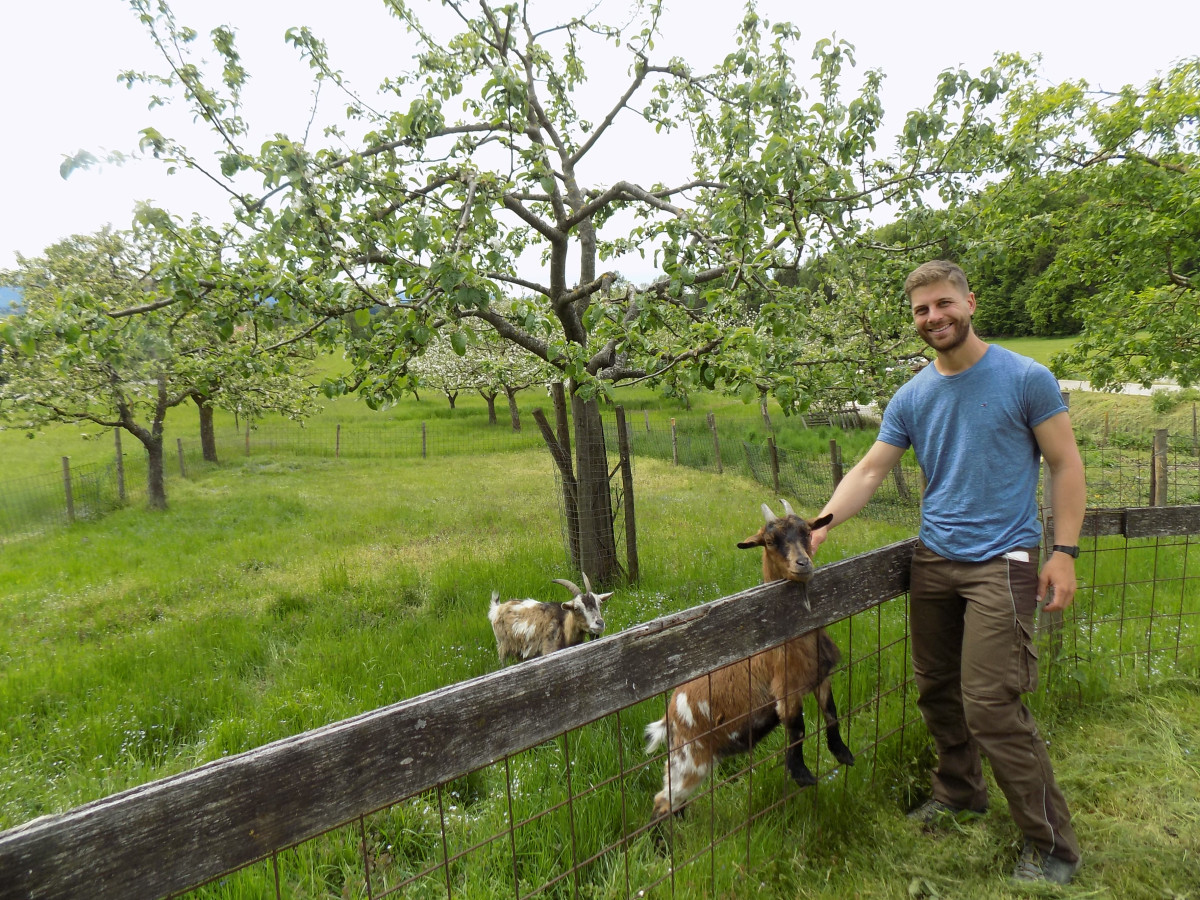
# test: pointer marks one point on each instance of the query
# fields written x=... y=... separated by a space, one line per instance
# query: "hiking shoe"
x=934 y=814
x=1035 y=866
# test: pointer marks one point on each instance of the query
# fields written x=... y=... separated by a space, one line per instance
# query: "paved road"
x=1067 y=385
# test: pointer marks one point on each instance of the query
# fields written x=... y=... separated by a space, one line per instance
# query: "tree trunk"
x=597 y=544
x=491 y=403
x=208 y=436
x=513 y=413
x=155 y=483
x=452 y=396
x=560 y=450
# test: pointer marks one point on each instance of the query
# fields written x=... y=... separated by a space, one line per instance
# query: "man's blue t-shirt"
x=972 y=433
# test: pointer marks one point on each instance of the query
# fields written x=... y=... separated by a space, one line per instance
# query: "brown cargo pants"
x=973 y=657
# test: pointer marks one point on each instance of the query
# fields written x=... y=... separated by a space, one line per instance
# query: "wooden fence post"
x=766 y=416
x=835 y=462
x=1158 y=481
x=712 y=423
x=774 y=460
x=901 y=484
x=337 y=442
x=66 y=464
x=120 y=466
x=631 y=552
x=674 y=444
x=179 y=448
x=424 y=441
x=646 y=416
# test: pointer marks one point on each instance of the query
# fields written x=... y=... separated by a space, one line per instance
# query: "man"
x=979 y=418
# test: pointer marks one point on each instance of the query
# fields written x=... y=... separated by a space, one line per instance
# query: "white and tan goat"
x=730 y=710
x=528 y=628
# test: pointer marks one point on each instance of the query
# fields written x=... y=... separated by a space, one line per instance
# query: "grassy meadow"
x=278 y=593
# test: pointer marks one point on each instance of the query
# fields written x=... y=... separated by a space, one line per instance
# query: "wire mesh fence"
x=1131 y=475
x=30 y=505
x=533 y=781
x=1117 y=475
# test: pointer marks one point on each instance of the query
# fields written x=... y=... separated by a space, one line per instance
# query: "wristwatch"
x=1071 y=551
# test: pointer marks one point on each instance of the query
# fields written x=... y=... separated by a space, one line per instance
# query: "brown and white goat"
x=528 y=628
x=730 y=710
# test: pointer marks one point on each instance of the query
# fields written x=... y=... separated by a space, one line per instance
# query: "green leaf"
x=458 y=342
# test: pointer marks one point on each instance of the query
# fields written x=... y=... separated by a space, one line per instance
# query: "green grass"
x=1043 y=349
x=277 y=594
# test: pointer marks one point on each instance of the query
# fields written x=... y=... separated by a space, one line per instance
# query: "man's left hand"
x=1058 y=578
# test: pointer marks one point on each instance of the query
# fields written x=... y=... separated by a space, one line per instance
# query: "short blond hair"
x=934 y=271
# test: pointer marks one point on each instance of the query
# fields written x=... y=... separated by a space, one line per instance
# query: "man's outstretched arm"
x=858 y=486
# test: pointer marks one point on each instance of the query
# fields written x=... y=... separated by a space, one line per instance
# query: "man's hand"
x=1058 y=576
x=818 y=538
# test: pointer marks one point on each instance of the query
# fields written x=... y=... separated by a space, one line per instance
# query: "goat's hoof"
x=843 y=755
x=803 y=778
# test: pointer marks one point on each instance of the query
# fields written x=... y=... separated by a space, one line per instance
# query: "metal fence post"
x=179 y=447
x=674 y=444
x=423 y=441
x=337 y=442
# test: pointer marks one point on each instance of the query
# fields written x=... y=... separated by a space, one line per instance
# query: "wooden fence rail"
x=180 y=832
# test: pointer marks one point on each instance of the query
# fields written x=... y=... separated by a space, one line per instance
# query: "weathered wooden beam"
x=1142 y=522
x=183 y=830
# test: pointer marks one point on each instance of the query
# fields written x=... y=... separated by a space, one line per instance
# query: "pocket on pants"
x=1027 y=660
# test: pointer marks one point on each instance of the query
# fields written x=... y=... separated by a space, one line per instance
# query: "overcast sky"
x=59 y=62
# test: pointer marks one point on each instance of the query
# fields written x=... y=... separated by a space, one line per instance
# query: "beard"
x=950 y=340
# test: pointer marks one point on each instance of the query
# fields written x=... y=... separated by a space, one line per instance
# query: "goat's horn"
x=768 y=515
x=569 y=585
x=587 y=584
x=787 y=508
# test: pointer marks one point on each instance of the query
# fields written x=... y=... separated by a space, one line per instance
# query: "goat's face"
x=586 y=604
x=787 y=544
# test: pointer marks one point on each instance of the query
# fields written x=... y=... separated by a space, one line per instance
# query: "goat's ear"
x=821 y=522
x=572 y=604
x=755 y=540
